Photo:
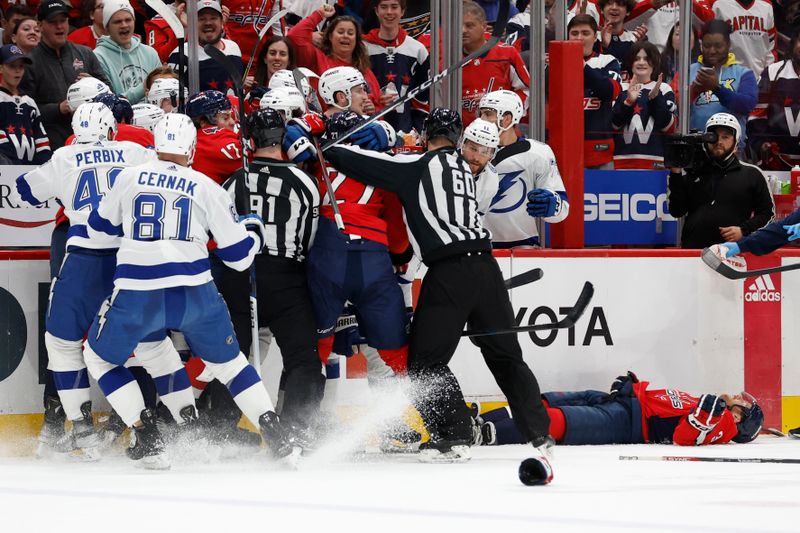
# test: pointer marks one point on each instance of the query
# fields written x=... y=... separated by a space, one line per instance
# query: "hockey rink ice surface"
x=335 y=491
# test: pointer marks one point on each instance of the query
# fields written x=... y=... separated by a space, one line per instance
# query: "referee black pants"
x=459 y=290
x=284 y=306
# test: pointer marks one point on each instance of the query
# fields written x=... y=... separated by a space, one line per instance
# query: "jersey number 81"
x=150 y=217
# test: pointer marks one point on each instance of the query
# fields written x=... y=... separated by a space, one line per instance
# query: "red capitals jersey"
x=371 y=213
x=500 y=68
x=665 y=414
x=160 y=36
x=244 y=15
x=218 y=154
x=125 y=132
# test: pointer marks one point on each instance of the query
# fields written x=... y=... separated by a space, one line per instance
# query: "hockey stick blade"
x=276 y=17
x=497 y=32
x=169 y=17
x=721 y=267
x=567 y=322
x=682 y=458
x=523 y=279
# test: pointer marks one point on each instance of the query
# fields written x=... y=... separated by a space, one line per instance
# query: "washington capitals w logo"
x=506 y=182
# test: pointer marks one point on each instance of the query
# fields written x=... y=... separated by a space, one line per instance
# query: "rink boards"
x=661 y=313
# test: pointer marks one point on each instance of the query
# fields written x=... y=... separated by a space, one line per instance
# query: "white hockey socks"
x=245 y=385
x=163 y=363
x=118 y=386
x=65 y=360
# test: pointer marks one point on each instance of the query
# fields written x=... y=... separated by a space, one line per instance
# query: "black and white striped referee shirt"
x=287 y=200
x=437 y=190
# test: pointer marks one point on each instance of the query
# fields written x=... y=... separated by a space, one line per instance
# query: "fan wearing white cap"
x=530 y=184
x=79 y=176
x=166 y=212
x=125 y=60
x=210 y=30
x=478 y=146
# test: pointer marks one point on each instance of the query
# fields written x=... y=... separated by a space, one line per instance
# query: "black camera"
x=683 y=150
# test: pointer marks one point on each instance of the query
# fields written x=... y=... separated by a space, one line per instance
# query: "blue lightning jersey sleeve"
x=522 y=167
x=164 y=213
x=79 y=176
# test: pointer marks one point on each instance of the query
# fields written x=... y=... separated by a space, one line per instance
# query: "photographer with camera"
x=719 y=195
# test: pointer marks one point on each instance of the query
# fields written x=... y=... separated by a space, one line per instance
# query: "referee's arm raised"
x=385 y=171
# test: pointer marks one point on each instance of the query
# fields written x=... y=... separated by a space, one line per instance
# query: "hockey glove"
x=730 y=248
x=543 y=203
x=623 y=385
x=378 y=136
x=793 y=231
x=707 y=413
x=297 y=144
x=255 y=227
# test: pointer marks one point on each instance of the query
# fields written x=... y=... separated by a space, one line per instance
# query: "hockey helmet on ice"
x=147 y=115
x=84 y=90
x=266 y=127
x=502 y=102
x=341 y=122
x=443 y=122
x=119 y=106
x=175 y=134
x=752 y=418
x=92 y=121
x=286 y=99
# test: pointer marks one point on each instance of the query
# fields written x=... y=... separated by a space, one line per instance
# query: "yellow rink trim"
x=790 y=408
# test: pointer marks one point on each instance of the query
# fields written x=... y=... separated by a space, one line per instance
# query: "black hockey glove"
x=623 y=385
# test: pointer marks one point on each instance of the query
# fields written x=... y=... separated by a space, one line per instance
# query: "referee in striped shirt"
x=287 y=199
x=463 y=285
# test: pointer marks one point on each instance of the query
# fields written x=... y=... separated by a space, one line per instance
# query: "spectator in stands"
x=670 y=57
x=661 y=16
x=125 y=60
x=342 y=45
x=26 y=34
x=491 y=9
x=774 y=125
x=57 y=64
x=752 y=24
x=23 y=140
x=88 y=35
x=245 y=18
x=614 y=39
x=644 y=111
x=718 y=82
x=720 y=196
x=276 y=54
x=13 y=15
x=209 y=31
x=501 y=68
x=519 y=29
x=601 y=86
x=395 y=57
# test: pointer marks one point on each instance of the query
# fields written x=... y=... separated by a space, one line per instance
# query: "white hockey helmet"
x=91 y=122
x=482 y=132
x=502 y=102
x=727 y=120
x=338 y=79
x=286 y=99
x=175 y=134
x=164 y=88
x=84 y=90
x=147 y=115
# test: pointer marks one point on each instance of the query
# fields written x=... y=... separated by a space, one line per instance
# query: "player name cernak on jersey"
x=167 y=181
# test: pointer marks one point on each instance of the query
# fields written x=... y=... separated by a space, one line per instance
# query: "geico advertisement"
x=627 y=207
x=20 y=223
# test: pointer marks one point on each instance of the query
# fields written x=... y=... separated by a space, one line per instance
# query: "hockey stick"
x=497 y=32
x=721 y=267
x=299 y=77
x=707 y=459
x=279 y=15
x=177 y=28
x=519 y=280
x=567 y=322
x=241 y=189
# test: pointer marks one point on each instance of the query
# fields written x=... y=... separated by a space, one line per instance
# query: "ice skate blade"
x=456 y=454
x=154 y=462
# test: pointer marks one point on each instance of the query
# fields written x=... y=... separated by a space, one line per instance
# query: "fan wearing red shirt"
x=342 y=46
x=246 y=18
x=88 y=35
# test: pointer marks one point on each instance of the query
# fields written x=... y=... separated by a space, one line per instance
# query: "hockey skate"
x=147 y=446
x=52 y=427
x=399 y=439
x=275 y=436
x=545 y=446
x=445 y=451
x=794 y=433
x=83 y=442
x=111 y=430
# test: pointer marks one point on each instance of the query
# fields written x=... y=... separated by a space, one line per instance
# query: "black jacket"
x=713 y=196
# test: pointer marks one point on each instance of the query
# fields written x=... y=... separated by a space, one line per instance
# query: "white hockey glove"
x=255 y=227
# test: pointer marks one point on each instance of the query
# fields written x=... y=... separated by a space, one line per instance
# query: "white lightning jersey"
x=522 y=167
x=486 y=184
x=164 y=213
x=752 y=31
x=79 y=176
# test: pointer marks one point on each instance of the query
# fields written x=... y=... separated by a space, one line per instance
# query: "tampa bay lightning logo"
x=506 y=188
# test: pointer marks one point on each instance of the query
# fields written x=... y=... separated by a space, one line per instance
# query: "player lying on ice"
x=632 y=414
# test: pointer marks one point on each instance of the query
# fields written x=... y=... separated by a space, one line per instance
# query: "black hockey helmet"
x=119 y=106
x=443 y=122
x=341 y=122
x=752 y=418
x=266 y=127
